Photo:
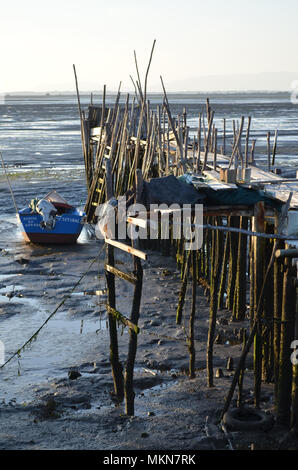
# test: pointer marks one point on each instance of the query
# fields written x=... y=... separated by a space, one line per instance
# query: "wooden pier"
x=248 y=260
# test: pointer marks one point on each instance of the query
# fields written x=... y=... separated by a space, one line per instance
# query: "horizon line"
x=114 y=91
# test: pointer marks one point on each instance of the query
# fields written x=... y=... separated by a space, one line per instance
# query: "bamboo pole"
x=194 y=154
x=208 y=110
x=207 y=140
x=103 y=112
x=268 y=152
x=215 y=149
x=136 y=90
x=237 y=143
x=139 y=79
x=179 y=144
x=274 y=148
x=83 y=137
x=199 y=144
x=247 y=142
x=204 y=128
x=252 y=154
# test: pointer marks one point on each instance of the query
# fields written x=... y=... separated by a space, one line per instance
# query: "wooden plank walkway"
x=274 y=185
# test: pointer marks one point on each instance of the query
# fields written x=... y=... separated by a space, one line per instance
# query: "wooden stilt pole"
x=224 y=137
x=223 y=279
x=267 y=327
x=110 y=278
x=258 y=302
x=191 y=340
x=183 y=290
x=268 y=152
x=277 y=308
x=217 y=250
x=286 y=338
x=233 y=222
x=239 y=301
x=135 y=313
x=258 y=243
x=274 y=148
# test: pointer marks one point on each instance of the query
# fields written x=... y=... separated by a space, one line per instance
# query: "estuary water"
x=41 y=144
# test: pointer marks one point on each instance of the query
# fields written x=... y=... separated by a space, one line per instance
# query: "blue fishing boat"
x=51 y=220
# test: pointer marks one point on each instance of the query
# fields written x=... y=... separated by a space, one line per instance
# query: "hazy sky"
x=41 y=40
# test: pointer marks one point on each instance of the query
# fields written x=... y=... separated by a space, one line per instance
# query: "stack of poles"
x=230 y=264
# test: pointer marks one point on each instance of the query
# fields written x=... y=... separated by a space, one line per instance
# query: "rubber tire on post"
x=263 y=421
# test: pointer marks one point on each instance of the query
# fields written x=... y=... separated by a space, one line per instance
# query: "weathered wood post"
x=224 y=137
x=233 y=222
x=216 y=259
x=114 y=355
x=277 y=308
x=268 y=152
x=239 y=301
x=251 y=278
x=286 y=338
x=199 y=144
x=215 y=149
x=182 y=291
x=258 y=244
x=135 y=313
x=207 y=140
x=274 y=148
x=191 y=339
x=246 y=142
x=252 y=152
x=268 y=308
x=223 y=278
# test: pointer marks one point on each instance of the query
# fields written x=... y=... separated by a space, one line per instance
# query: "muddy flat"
x=58 y=393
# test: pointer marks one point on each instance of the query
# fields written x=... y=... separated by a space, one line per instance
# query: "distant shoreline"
x=52 y=94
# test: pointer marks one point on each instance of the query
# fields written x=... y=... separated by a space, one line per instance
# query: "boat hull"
x=42 y=238
x=67 y=228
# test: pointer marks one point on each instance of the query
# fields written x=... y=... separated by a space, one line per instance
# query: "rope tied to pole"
x=67 y=296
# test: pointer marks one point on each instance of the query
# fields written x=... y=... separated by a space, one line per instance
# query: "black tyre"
x=247 y=419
